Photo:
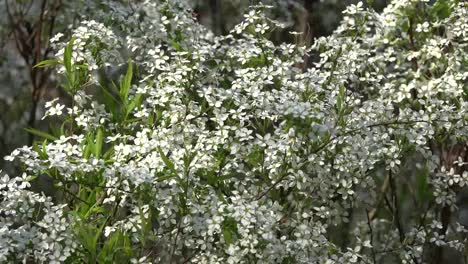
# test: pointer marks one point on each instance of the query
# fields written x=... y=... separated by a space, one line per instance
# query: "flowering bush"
x=221 y=150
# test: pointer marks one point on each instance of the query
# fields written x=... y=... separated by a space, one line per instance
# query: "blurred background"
x=27 y=27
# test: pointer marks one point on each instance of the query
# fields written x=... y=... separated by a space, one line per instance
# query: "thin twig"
x=396 y=209
x=347 y=133
x=383 y=190
x=371 y=232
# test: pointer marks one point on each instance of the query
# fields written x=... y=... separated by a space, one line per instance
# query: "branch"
x=347 y=133
x=383 y=190
x=371 y=236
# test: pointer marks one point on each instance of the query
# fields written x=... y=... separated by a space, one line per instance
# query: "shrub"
x=223 y=149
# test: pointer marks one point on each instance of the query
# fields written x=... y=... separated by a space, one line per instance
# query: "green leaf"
x=151 y=119
x=98 y=144
x=340 y=99
x=116 y=249
x=46 y=63
x=166 y=161
x=110 y=101
x=67 y=55
x=209 y=176
x=108 y=250
x=175 y=45
x=31 y=178
x=99 y=230
x=230 y=232
x=255 y=62
x=228 y=236
x=441 y=9
x=94 y=210
x=114 y=86
x=134 y=103
x=89 y=147
x=145 y=221
x=42 y=154
x=422 y=186
x=126 y=82
x=163 y=178
x=85 y=233
x=40 y=133
x=82 y=66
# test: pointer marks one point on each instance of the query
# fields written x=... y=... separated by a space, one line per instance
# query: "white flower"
x=56 y=110
x=56 y=37
x=261 y=28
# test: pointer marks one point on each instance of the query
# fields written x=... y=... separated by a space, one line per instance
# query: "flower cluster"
x=31 y=226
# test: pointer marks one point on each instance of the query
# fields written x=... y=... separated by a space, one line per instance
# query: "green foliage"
x=230 y=232
x=40 y=133
x=424 y=194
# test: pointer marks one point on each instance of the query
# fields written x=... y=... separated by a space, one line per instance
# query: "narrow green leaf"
x=94 y=210
x=230 y=230
x=108 y=94
x=166 y=161
x=422 y=186
x=134 y=103
x=110 y=102
x=227 y=236
x=175 y=45
x=39 y=151
x=163 y=178
x=441 y=9
x=40 y=133
x=145 y=222
x=340 y=99
x=99 y=231
x=106 y=255
x=114 y=86
x=31 y=178
x=89 y=147
x=46 y=63
x=127 y=82
x=82 y=66
x=44 y=150
x=67 y=55
x=98 y=144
